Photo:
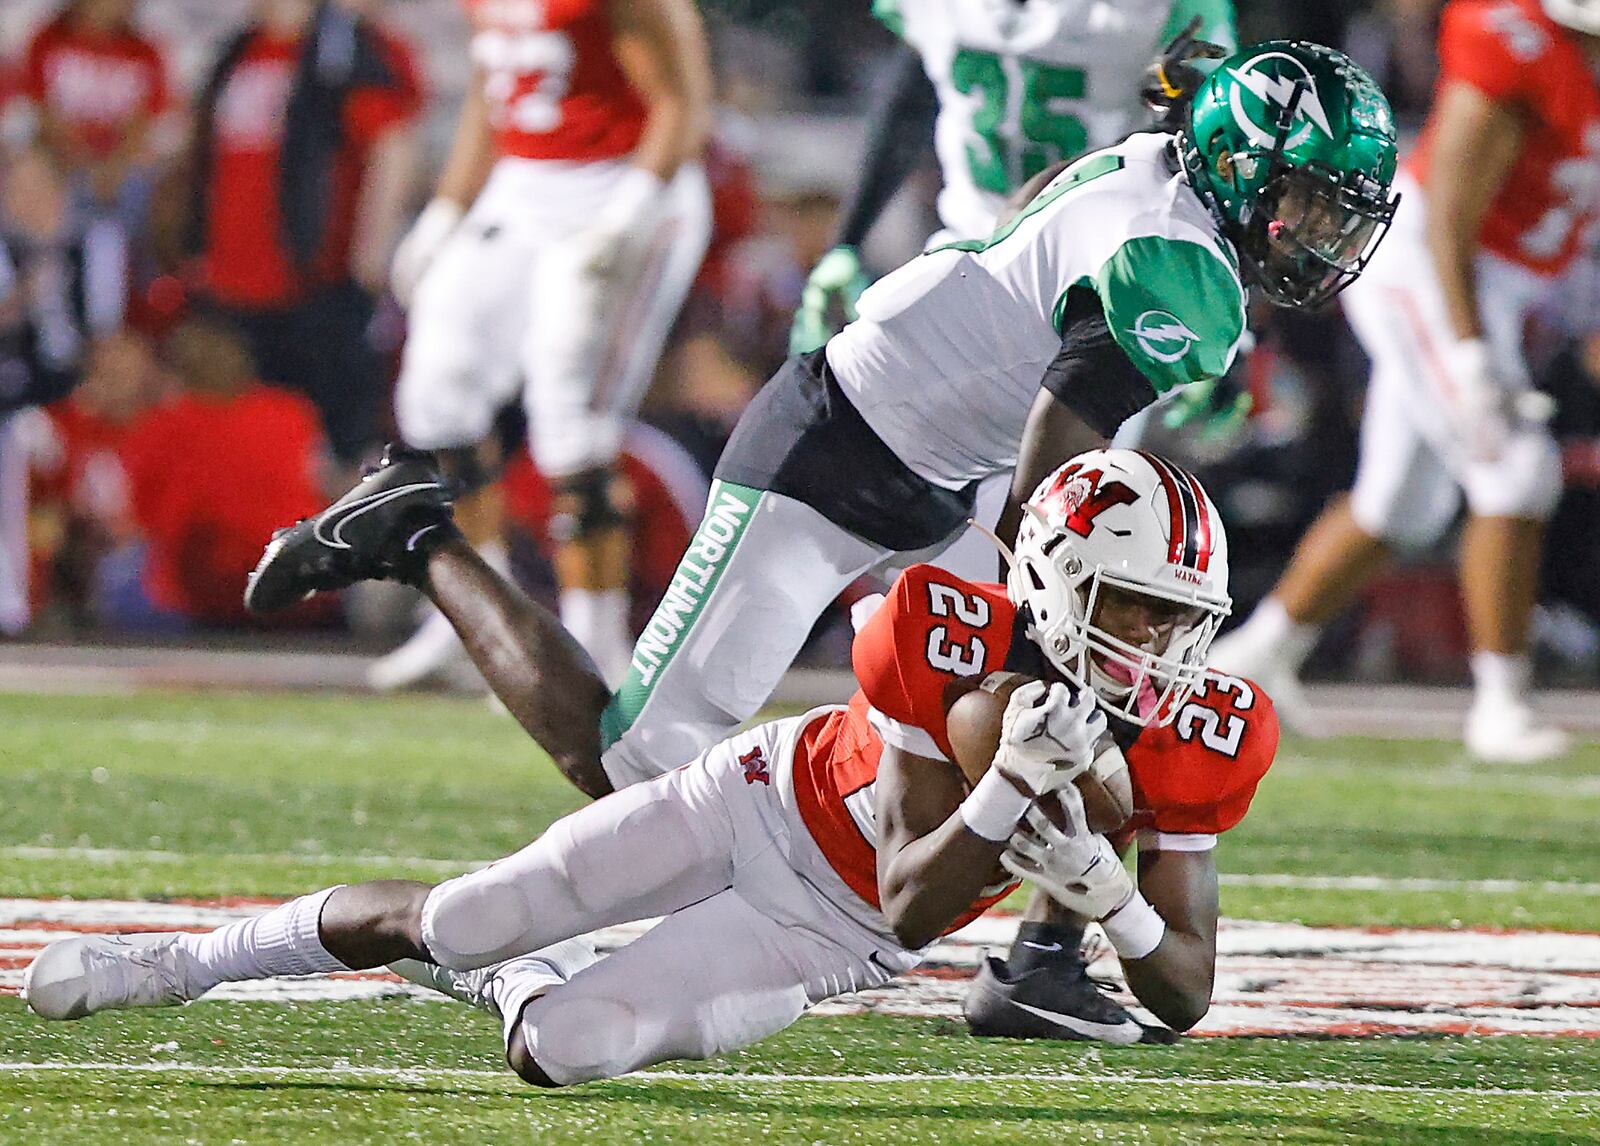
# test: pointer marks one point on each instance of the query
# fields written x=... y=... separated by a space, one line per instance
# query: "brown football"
x=974 y=721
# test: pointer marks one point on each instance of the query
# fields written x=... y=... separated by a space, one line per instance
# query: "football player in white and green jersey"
x=1007 y=88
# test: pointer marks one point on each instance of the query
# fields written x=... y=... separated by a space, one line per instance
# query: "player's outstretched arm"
x=1174 y=981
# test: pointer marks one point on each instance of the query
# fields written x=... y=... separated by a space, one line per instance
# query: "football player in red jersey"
x=566 y=229
x=821 y=854
x=1497 y=198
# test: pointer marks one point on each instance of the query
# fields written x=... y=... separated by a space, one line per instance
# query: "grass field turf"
x=214 y=795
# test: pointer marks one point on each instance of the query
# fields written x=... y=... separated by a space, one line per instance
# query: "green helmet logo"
x=1267 y=84
x=1293 y=148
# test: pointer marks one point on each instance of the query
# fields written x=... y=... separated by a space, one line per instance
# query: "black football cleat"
x=1055 y=1001
x=380 y=531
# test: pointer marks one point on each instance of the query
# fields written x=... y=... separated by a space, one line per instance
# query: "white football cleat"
x=76 y=977
x=434 y=650
x=1511 y=733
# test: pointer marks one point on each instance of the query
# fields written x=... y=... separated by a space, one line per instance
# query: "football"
x=974 y=720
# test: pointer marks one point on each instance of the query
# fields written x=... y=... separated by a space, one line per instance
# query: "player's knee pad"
x=590 y=502
x=1524 y=481
x=476 y=919
x=583 y=1038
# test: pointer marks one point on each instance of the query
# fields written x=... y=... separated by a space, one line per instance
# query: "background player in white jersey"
x=1119 y=281
x=1006 y=91
x=567 y=227
x=822 y=854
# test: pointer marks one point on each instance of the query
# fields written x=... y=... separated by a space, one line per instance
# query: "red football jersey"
x=95 y=85
x=933 y=628
x=552 y=83
x=1195 y=776
x=1517 y=56
x=245 y=263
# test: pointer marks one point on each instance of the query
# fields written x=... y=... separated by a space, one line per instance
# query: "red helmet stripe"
x=1177 y=534
x=1203 y=538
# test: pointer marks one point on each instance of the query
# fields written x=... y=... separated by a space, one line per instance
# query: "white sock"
x=1501 y=678
x=598 y=619
x=519 y=981
x=284 y=941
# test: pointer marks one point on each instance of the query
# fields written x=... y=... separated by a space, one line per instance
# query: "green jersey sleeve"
x=890 y=16
x=1217 y=23
x=1175 y=307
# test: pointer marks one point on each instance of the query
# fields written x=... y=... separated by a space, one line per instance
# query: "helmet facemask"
x=1310 y=230
x=1140 y=648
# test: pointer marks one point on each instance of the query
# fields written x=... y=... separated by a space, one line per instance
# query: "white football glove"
x=1480 y=407
x=421 y=245
x=1048 y=736
x=1077 y=868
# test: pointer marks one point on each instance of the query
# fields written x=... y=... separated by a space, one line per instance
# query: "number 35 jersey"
x=949 y=351
x=551 y=83
x=1024 y=85
x=1191 y=779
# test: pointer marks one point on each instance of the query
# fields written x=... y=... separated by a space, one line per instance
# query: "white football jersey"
x=950 y=349
x=1023 y=84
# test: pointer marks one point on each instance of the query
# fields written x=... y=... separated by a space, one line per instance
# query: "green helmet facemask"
x=1292 y=147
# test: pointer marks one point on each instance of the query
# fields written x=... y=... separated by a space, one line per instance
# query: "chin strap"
x=1005 y=550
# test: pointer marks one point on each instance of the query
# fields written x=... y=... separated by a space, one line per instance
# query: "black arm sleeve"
x=899 y=132
x=1091 y=375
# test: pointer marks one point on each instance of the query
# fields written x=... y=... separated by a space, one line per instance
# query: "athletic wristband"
x=994 y=807
x=1135 y=929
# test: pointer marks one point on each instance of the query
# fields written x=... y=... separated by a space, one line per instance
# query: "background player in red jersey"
x=1497 y=198
x=565 y=231
x=820 y=854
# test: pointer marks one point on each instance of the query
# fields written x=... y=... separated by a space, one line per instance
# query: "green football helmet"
x=1292 y=147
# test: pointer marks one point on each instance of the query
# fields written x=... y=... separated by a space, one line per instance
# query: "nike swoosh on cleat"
x=1124 y=1033
x=411 y=542
x=335 y=518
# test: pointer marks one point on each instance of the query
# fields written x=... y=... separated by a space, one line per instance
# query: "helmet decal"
x=1163 y=336
x=1080 y=498
x=1189 y=532
x=1271 y=78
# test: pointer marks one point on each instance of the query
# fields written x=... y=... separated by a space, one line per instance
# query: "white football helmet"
x=1581 y=15
x=1122 y=565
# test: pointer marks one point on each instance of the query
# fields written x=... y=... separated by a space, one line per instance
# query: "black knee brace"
x=588 y=503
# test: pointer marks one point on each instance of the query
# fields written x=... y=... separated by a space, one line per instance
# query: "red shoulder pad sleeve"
x=932 y=628
x=1495 y=47
x=1198 y=774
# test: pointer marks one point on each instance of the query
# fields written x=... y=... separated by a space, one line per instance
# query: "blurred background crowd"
x=184 y=368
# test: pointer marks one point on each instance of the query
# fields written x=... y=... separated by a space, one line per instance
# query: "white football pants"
x=757 y=926
x=758 y=573
x=1413 y=466
x=504 y=307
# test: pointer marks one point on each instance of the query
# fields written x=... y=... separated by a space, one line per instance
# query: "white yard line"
x=403 y=1074
x=452 y=866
